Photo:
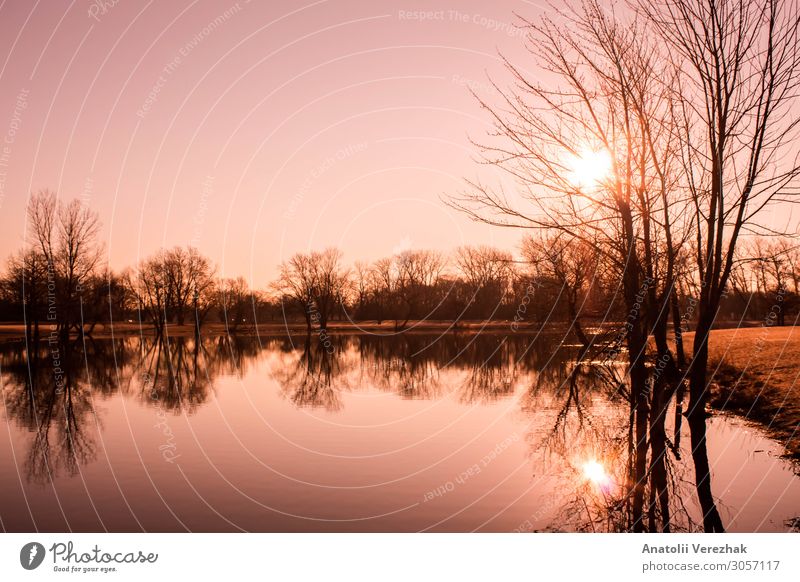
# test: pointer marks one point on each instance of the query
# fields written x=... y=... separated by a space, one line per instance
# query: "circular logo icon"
x=31 y=555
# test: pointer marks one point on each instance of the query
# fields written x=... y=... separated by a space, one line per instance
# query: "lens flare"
x=589 y=168
x=596 y=473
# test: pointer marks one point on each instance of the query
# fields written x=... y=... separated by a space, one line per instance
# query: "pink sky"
x=251 y=130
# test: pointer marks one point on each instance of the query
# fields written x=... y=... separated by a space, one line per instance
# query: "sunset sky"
x=255 y=130
x=251 y=130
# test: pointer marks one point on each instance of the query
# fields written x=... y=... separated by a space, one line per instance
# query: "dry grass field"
x=756 y=373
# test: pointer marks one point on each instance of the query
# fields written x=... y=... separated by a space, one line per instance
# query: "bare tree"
x=172 y=283
x=296 y=282
x=362 y=286
x=384 y=279
x=764 y=272
x=594 y=157
x=417 y=273
x=67 y=237
x=25 y=285
x=189 y=277
x=316 y=282
x=233 y=299
x=332 y=283
x=488 y=274
x=571 y=264
x=740 y=68
x=150 y=286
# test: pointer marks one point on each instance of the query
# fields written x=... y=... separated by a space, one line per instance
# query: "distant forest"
x=59 y=279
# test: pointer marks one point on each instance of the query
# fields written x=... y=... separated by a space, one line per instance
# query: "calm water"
x=409 y=433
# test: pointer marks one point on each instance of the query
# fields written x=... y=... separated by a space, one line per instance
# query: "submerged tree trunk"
x=680 y=392
x=665 y=377
x=576 y=324
x=658 y=442
x=639 y=392
x=698 y=395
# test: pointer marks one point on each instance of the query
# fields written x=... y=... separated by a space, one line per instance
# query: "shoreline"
x=16 y=330
x=752 y=373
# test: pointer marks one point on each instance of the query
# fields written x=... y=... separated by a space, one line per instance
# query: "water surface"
x=415 y=432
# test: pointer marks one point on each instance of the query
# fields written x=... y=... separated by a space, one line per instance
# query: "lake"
x=408 y=432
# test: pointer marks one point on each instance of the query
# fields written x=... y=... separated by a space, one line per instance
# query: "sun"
x=596 y=473
x=588 y=168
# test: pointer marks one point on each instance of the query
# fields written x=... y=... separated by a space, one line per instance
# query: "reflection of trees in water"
x=415 y=365
x=491 y=366
x=584 y=402
x=59 y=411
x=175 y=373
x=308 y=381
x=412 y=366
x=232 y=354
x=481 y=368
x=178 y=373
x=59 y=414
x=591 y=427
x=408 y=365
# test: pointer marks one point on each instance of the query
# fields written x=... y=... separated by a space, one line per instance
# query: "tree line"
x=60 y=280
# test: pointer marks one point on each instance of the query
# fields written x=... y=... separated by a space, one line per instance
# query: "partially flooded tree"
x=593 y=157
x=572 y=265
x=738 y=93
x=316 y=283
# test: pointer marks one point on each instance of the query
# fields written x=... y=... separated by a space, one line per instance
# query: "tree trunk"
x=698 y=394
x=639 y=391
x=680 y=393
x=658 y=443
x=576 y=324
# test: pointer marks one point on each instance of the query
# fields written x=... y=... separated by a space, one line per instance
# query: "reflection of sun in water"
x=596 y=473
x=588 y=168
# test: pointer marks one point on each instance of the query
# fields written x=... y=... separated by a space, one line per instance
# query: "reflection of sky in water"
x=410 y=433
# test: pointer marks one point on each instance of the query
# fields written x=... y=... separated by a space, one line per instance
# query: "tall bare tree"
x=173 y=283
x=150 y=286
x=572 y=265
x=592 y=154
x=316 y=283
x=740 y=75
x=235 y=301
x=66 y=234
x=332 y=280
x=418 y=271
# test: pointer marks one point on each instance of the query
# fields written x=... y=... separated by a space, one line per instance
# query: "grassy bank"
x=755 y=374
